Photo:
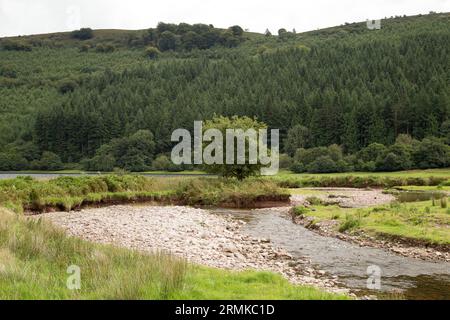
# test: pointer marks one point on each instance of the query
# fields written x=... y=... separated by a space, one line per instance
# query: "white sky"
x=21 y=17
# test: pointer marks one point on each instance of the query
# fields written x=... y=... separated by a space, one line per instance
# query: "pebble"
x=190 y=233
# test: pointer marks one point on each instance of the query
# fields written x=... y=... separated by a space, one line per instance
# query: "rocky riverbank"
x=344 y=197
x=194 y=234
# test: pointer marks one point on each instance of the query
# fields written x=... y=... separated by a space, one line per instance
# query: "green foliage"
x=297 y=137
x=105 y=48
x=286 y=162
x=186 y=37
x=134 y=153
x=68 y=193
x=315 y=201
x=163 y=163
x=49 y=161
x=300 y=211
x=351 y=222
x=240 y=171
x=16 y=45
x=83 y=34
x=217 y=72
x=152 y=52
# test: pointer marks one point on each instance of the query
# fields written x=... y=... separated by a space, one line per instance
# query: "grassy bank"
x=433 y=177
x=425 y=222
x=34 y=257
x=67 y=193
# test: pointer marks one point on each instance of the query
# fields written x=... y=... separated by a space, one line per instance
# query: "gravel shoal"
x=194 y=234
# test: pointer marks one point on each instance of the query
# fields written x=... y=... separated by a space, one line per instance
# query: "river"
x=415 y=279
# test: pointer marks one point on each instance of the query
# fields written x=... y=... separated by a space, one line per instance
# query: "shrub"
x=300 y=211
x=298 y=167
x=152 y=52
x=7 y=71
x=163 y=163
x=286 y=161
x=49 y=161
x=432 y=153
x=372 y=153
x=105 y=48
x=350 y=222
x=315 y=201
x=66 y=86
x=16 y=45
x=323 y=164
x=83 y=34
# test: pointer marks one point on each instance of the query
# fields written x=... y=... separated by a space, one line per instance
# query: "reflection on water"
x=416 y=279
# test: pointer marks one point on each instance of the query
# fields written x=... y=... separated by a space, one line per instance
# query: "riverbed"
x=413 y=278
x=263 y=239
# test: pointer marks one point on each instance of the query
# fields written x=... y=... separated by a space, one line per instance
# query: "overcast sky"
x=21 y=17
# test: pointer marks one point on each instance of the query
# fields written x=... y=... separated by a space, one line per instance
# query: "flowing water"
x=416 y=279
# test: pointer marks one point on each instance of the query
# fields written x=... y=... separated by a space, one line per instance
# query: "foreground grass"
x=67 y=193
x=34 y=257
x=426 y=222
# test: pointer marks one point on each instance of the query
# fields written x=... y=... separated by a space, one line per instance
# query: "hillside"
x=63 y=98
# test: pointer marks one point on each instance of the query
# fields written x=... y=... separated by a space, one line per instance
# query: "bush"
x=300 y=211
x=66 y=86
x=163 y=163
x=372 y=153
x=83 y=34
x=286 y=162
x=323 y=164
x=12 y=162
x=7 y=71
x=16 y=45
x=152 y=52
x=432 y=153
x=105 y=48
x=48 y=161
x=350 y=222
x=298 y=167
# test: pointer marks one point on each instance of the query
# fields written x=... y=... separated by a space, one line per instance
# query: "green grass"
x=408 y=174
x=67 y=193
x=207 y=283
x=34 y=257
x=419 y=221
x=424 y=188
x=432 y=177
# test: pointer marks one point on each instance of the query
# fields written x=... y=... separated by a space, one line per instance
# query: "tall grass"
x=34 y=257
x=354 y=181
x=230 y=192
x=67 y=193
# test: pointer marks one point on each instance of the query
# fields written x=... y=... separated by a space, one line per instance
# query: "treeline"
x=352 y=90
x=339 y=93
x=167 y=36
x=405 y=154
